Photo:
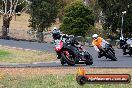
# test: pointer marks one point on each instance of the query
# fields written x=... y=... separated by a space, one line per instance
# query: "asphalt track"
x=123 y=61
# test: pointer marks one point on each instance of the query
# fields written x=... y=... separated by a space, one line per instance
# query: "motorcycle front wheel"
x=69 y=60
x=62 y=61
x=112 y=56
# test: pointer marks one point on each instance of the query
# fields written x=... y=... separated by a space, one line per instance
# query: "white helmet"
x=95 y=35
x=55 y=28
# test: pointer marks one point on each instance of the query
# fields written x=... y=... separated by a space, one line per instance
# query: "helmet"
x=56 y=33
x=55 y=28
x=95 y=36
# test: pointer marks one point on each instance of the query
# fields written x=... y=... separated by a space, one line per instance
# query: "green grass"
x=51 y=81
x=4 y=55
x=21 y=56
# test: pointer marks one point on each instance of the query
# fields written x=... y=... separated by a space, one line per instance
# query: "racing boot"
x=100 y=54
x=124 y=53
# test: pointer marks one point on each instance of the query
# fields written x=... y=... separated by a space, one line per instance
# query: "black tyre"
x=130 y=52
x=70 y=61
x=89 y=60
x=112 y=50
x=112 y=56
x=62 y=61
x=81 y=80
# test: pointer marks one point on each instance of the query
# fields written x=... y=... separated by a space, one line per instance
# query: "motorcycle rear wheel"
x=130 y=52
x=89 y=59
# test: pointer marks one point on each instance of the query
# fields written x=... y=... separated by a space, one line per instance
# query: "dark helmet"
x=56 y=33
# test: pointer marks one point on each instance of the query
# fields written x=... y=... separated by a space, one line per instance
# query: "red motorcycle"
x=71 y=54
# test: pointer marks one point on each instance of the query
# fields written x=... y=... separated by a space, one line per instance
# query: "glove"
x=96 y=48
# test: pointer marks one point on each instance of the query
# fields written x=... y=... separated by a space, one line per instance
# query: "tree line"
x=77 y=17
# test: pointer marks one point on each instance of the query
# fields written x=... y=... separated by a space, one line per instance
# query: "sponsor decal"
x=83 y=78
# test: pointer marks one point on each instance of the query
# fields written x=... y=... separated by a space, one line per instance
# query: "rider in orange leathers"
x=98 y=43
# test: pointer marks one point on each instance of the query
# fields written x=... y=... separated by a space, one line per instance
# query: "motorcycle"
x=108 y=52
x=69 y=53
x=128 y=47
x=122 y=43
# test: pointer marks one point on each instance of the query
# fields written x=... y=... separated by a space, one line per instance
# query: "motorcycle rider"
x=122 y=42
x=98 y=43
x=125 y=46
x=56 y=34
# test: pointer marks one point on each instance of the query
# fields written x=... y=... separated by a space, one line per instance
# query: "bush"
x=78 y=19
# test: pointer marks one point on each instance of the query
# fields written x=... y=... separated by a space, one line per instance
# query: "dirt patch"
x=21 y=22
x=59 y=71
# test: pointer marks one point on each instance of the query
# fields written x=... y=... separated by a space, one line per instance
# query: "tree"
x=43 y=14
x=8 y=9
x=61 y=5
x=93 y=4
x=78 y=19
x=112 y=11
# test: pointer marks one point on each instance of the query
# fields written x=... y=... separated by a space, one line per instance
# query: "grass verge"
x=10 y=55
x=53 y=78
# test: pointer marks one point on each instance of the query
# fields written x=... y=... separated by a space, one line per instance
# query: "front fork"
x=58 y=55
